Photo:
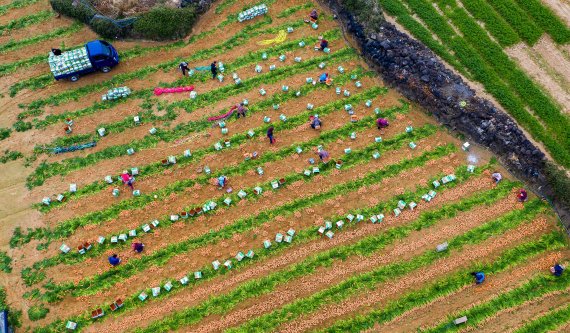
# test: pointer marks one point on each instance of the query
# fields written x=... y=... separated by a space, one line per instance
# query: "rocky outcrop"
x=420 y=76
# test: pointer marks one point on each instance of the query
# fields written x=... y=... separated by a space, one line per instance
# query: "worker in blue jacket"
x=114 y=260
x=479 y=277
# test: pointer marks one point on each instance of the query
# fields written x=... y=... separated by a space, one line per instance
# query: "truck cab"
x=103 y=55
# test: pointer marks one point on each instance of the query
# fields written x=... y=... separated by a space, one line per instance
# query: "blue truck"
x=95 y=55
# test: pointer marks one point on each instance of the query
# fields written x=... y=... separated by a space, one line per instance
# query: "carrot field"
x=291 y=243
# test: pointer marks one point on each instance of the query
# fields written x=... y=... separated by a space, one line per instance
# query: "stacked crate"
x=69 y=62
x=252 y=12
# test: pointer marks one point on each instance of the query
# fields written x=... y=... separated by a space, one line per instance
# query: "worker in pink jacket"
x=127 y=179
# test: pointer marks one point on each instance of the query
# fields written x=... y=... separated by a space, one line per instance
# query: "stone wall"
x=418 y=74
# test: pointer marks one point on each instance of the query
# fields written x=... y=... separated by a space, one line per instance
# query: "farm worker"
x=183 y=67
x=324 y=77
x=313 y=16
x=56 y=51
x=315 y=122
x=214 y=69
x=522 y=196
x=496 y=177
x=127 y=179
x=241 y=110
x=381 y=123
x=222 y=180
x=137 y=247
x=323 y=155
x=479 y=277
x=557 y=269
x=114 y=260
x=270 y=135
x=324 y=44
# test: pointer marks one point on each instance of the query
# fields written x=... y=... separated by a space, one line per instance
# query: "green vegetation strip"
x=509 y=259
x=370 y=280
x=532 y=289
x=551 y=320
x=25 y=21
x=48 y=170
x=357 y=157
x=518 y=20
x=479 y=69
x=497 y=26
x=14 y=4
x=182 y=130
x=546 y=19
x=91 y=285
x=57 y=33
x=425 y=220
x=67 y=228
x=5 y=262
x=520 y=83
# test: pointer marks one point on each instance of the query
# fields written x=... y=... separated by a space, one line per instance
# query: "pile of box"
x=69 y=62
x=116 y=93
x=252 y=12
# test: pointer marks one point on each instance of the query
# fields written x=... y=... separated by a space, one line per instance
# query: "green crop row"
x=10 y=155
x=371 y=279
x=550 y=320
x=48 y=170
x=57 y=33
x=480 y=71
x=497 y=26
x=518 y=19
x=426 y=219
x=357 y=157
x=508 y=259
x=5 y=262
x=520 y=83
x=91 y=285
x=546 y=19
x=530 y=290
x=14 y=4
x=66 y=228
x=367 y=246
x=183 y=130
x=25 y=21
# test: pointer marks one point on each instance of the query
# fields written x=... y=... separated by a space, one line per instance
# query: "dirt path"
x=540 y=71
x=191 y=297
x=560 y=7
x=382 y=294
x=436 y=311
x=513 y=318
x=403 y=249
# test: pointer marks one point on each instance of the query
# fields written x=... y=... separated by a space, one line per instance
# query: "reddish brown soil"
x=190 y=297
